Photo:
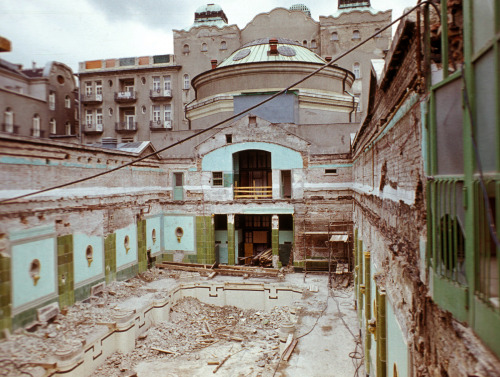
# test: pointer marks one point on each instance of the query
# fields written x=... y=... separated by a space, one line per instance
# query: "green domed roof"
x=258 y=51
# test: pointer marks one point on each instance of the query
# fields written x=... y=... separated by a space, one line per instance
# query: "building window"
x=168 y=113
x=98 y=116
x=67 y=102
x=356 y=69
x=378 y=35
x=68 y=128
x=356 y=35
x=335 y=36
x=186 y=81
x=98 y=87
x=229 y=138
x=110 y=83
x=358 y=109
x=52 y=101
x=185 y=49
x=204 y=47
x=143 y=109
x=110 y=111
x=88 y=88
x=313 y=44
x=223 y=45
x=167 y=82
x=156 y=84
x=36 y=126
x=156 y=114
x=8 y=118
x=304 y=43
x=53 y=128
x=217 y=179
x=88 y=117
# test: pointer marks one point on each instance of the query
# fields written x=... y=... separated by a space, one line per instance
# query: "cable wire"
x=316 y=71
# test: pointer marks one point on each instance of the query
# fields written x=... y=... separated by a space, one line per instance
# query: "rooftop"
x=258 y=51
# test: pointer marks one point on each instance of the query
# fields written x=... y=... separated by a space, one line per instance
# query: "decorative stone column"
x=231 y=244
x=275 y=241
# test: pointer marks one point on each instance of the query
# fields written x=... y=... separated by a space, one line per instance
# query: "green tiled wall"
x=83 y=292
x=5 y=300
x=205 y=240
x=110 y=258
x=29 y=316
x=230 y=243
x=127 y=273
x=275 y=243
x=141 y=246
x=65 y=272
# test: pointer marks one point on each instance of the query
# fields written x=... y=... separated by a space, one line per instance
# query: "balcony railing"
x=255 y=192
x=91 y=98
x=160 y=125
x=125 y=97
x=37 y=132
x=10 y=128
x=160 y=94
x=92 y=128
x=125 y=127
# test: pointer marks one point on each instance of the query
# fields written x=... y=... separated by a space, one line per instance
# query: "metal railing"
x=487 y=252
x=89 y=98
x=10 y=128
x=126 y=126
x=125 y=96
x=92 y=128
x=447 y=228
x=254 y=192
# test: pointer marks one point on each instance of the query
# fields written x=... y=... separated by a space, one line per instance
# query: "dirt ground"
x=201 y=339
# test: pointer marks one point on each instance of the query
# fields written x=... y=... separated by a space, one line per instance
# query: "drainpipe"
x=360 y=281
x=368 y=335
x=356 y=267
x=381 y=332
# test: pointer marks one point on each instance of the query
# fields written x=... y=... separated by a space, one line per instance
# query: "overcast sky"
x=72 y=31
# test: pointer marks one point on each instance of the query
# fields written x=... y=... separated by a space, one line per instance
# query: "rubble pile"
x=195 y=326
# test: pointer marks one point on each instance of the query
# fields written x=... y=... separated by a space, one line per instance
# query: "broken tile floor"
x=204 y=340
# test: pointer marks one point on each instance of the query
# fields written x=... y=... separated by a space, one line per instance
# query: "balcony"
x=91 y=98
x=37 y=132
x=255 y=192
x=160 y=95
x=126 y=127
x=92 y=128
x=160 y=125
x=125 y=97
x=10 y=128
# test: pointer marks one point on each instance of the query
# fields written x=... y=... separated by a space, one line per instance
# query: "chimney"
x=33 y=65
x=214 y=63
x=273 y=46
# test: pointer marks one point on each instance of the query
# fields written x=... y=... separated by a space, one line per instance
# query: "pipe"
x=381 y=333
x=368 y=312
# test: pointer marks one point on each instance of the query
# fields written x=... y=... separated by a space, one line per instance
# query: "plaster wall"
x=83 y=272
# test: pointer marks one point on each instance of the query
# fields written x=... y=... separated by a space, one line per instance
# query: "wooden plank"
x=290 y=349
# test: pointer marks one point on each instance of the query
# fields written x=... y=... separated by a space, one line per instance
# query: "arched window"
x=53 y=128
x=335 y=36
x=8 y=120
x=223 y=45
x=186 y=81
x=304 y=43
x=356 y=69
x=185 y=49
x=356 y=35
x=313 y=44
x=35 y=131
x=378 y=35
x=204 y=47
x=67 y=102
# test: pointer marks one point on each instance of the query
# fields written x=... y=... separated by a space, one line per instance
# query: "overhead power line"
x=319 y=69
